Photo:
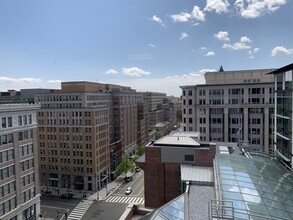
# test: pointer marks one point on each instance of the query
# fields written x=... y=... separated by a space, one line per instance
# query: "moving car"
x=128 y=191
x=137 y=169
x=128 y=179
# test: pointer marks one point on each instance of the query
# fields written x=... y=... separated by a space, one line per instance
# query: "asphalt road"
x=99 y=209
x=53 y=205
x=137 y=185
x=104 y=210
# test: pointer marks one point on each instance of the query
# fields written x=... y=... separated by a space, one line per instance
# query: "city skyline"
x=148 y=45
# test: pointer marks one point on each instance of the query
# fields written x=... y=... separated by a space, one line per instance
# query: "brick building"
x=162 y=165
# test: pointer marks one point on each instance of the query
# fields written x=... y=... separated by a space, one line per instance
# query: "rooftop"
x=177 y=141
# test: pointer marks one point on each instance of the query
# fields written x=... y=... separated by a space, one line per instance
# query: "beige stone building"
x=85 y=129
x=232 y=106
x=19 y=173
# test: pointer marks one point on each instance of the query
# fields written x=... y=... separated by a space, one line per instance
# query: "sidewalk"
x=88 y=195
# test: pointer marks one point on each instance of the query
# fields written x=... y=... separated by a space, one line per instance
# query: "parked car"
x=128 y=191
x=128 y=179
x=137 y=169
x=66 y=196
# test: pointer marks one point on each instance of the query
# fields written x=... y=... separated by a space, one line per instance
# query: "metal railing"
x=221 y=209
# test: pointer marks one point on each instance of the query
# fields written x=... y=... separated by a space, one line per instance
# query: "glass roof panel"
x=262 y=184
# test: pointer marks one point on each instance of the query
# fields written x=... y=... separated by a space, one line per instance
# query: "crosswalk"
x=80 y=210
x=125 y=199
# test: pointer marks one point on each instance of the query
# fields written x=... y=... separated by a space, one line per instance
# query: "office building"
x=19 y=168
x=162 y=111
x=283 y=113
x=232 y=106
x=84 y=130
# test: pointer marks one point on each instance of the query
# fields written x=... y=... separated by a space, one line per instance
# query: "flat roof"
x=197 y=175
x=176 y=140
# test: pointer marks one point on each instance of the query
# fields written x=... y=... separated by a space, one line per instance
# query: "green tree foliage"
x=158 y=135
x=140 y=150
x=125 y=166
x=179 y=116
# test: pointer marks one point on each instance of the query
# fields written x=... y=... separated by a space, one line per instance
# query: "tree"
x=158 y=135
x=140 y=150
x=179 y=115
x=125 y=166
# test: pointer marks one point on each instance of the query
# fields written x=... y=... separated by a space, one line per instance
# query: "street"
x=51 y=206
x=111 y=208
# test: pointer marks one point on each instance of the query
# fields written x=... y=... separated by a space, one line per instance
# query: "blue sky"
x=150 y=45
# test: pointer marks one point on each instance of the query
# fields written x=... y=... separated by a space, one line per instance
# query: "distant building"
x=233 y=106
x=161 y=110
x=19 y=167
x=283 y=113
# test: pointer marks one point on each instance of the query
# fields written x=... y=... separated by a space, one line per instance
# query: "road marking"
x=80 y=210
x=125 y=199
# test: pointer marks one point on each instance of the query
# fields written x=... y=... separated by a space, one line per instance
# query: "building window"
x=4 y=125
x=190 y=111
x=190 y=102
x=190 y=92
x=20 y=120
x=189 y=157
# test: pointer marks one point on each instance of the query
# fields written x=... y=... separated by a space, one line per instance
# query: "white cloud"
x=151 y=45
x=236 y=46
x=203 y=48
x=183 y=35
x=195 y=24
x=171 y=83
x=219 y=6
x=182 y=17
x=222 y=35
x=245 y=39
x=280 y=50
x=210 y=54
x=20 y=80
x=157 y=19
x=256 y=8
x=8 y=83
x=252 y=52
x=54 y=81
x=197 y=14
x=134 y=71
x=111 y=71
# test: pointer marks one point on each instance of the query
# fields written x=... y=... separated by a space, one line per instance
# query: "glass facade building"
x=283 y=113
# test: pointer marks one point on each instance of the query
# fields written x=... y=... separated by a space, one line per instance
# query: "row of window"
x=25 y=135
x=26 y=149
x=7 y=206
x=7 y=188
x=28 y=195
x=230 y=111
x=6 y=139
x=28 y=179
x=27 y=164
x=6 y=155
x=7 y=172
x=59 y=98
x=6 y=122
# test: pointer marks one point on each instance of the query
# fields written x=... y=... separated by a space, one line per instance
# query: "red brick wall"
x=161 y=180
x=172 y=179
x=153 y=178
x=204 y=157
